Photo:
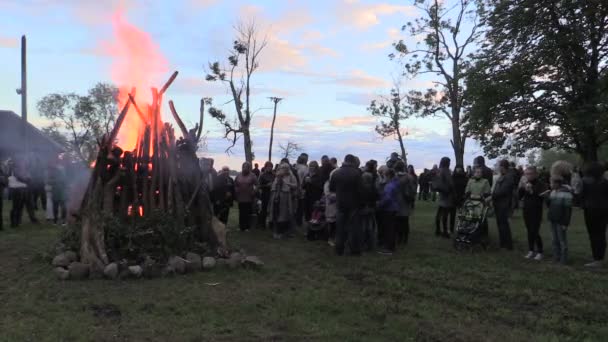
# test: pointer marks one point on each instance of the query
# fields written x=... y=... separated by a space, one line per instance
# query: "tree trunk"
x=247 y=145
x=403 y=154
x=457 y=143
x=590 y=154
x=274 y=117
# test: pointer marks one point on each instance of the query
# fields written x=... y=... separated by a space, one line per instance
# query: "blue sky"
x=328 y=59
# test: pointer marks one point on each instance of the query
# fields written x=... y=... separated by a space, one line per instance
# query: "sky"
x=328 y=59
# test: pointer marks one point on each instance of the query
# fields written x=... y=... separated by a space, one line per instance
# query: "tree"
x=450 y=34
x=290 y=150
x=276 y=101
x=243 y=61
x=541 y=79
x=78 y=122
x=391 y=110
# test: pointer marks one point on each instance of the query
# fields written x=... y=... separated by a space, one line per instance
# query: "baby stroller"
x=471 y=217
x=317 y=226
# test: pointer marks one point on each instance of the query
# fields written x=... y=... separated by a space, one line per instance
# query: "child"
x=560 y=211
x=478 y=188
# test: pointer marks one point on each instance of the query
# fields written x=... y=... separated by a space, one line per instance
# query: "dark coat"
x=223 y=190
x=313 y=187
x=346 y=184
x=533 y=201
x=503 y=192
x=595 y=193
x=460 y=184
x=444 y=185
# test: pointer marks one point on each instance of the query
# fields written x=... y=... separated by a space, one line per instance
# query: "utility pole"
x=23 y=92
x=276 y=101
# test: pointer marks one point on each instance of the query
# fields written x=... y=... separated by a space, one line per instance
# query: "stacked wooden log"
x=161 y=173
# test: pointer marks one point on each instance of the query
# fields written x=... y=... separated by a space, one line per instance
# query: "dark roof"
x=12 y=139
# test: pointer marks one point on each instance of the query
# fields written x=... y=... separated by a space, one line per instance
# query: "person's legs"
x=29 y=205
x=300 y=212
x=444 y=220
x=452 y=212
x=380 y=225
x=528 y=216
x=504 y=231
x=402 y=224
x=17 y=207
x=555 y=242
x=264 y=210
x=55 y=211
x=355 y=232
x=536 y=223
x=388 y=220
x=243 y=216
x=438 y=216
x=63 y=211
x=563 y=244
x=341 y=231
x=596 y=228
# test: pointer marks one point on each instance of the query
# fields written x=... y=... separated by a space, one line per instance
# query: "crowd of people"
x=364 y=207
x=32 y=185
x=367 y=207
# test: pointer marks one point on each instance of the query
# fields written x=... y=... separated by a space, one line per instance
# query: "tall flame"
x=136 y=62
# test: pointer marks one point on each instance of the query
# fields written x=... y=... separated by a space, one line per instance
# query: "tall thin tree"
x=245 y=54
x=276 y=101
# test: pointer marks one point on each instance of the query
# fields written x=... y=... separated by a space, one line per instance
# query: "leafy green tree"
x=243 y=61
x=451 y=33
x=77 y=121
x=541 y=79
x=391 y=111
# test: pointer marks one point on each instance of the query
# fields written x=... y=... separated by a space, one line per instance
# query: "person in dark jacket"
x=486 y=172
x=326 y=168
x=431 y=177
x=413 y=177
x=389 y=206
x=265 y=182
x=533 y=193
x=313 y=188
x=256 y=170
x=423 y=181
x=369 y=197
x=245 y=185
x=223 y=194
x=502 y=198
x=594 y=200
x=346 y=183
x=460 y=179
x=3 y=185
x=392 y=161
x=405 y=198
x=444 y=185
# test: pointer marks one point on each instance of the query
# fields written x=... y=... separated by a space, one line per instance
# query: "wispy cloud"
x=350 y=121
x=363 y=16
x=359 y=79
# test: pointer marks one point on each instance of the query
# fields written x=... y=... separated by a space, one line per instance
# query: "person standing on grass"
x=313 y=189
x=245 y=185
x=369 y=199
x=380 y=185
x=58 y=183
x=388 y=207
x=559 y=214
x=594 y=200
x=265 y=181
x=346 y=183
x=223 y=195
x=444 y=185
x=330 y=212
x=406 y=195
x=282 y=204
x=460 y=180
x=3 y=184
x=302 y=172
x=431 y=178
x=256 y=170
x=20 y=194
x=502 y=197
x=414 y=178
x=531 y=192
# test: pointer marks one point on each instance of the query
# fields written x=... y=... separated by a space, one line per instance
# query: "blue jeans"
x=560 y=242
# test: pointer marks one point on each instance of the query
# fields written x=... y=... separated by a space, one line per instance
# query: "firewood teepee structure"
x=161 y=173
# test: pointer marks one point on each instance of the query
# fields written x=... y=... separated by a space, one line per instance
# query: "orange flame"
x=137 y=63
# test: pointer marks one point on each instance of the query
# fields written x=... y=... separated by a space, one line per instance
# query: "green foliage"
x=79 y=121
x=157 y=235
x=450 y=33
x=541 y=79
x=390 y=112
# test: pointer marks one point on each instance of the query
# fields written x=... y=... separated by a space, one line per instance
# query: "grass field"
x=425 y=292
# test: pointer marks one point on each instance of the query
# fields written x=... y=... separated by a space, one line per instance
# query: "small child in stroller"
x=317 y=226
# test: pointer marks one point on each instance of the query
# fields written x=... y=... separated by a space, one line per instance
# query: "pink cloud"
x=349 y=121
x=360 y=79
x=284 y=122
x=364 y=16
x=8 y=42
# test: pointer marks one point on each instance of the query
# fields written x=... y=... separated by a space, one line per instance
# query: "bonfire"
x=157 y=183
